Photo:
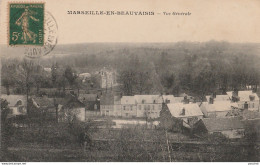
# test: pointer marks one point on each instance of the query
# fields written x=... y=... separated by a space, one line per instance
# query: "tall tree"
x=8 y=76
x=6 y=126
x=26 y=70
x=70 y=76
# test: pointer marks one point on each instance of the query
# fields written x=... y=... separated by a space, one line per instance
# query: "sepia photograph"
x=140 y=81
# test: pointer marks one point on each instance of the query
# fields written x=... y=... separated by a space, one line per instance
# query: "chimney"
x=183 y=111
x=235 y=92
x=246 y=106
x=235 y=97
x=211 y=100
x=167 y=101
x=186 y=100
x=214 y=95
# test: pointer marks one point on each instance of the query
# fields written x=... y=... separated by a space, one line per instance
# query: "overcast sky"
x=229 y=20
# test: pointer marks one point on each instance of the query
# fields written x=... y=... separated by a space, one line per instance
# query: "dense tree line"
x=24 y=75
x=193 y=68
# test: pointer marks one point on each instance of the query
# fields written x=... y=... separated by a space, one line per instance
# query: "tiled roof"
x=190 y=110
x=244 y=95
x=218 y=106
x=148 y=99
x=12 y=99
x=222 y=124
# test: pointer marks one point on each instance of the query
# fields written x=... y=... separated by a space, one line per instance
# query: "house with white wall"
x=128 y=106
x=17 y=104
x=245 y=99
x=148 y=106
x=188 y=113
x=217 y=108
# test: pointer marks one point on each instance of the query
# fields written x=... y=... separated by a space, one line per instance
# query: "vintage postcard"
x=130 y=81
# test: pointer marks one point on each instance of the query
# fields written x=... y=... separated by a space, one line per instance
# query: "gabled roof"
x=222 y=124
x=244 y=95
x=169 y=98
x=128 y=100
x=218 y=106
x=148 y=99
x=13 y=99
x=191 y=110
x=219 y=98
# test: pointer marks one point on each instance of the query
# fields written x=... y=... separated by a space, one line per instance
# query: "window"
x=124 y=107
x=148 y=107
x=131 y=107
x=153 y=107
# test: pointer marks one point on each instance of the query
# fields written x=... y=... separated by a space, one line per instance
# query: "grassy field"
x=60 y=142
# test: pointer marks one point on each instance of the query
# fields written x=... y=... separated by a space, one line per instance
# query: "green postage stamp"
x=26 y=24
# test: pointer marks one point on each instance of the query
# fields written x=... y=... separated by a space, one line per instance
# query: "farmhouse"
x=17 y=104
x=229 y=127
x=128 y=106
x=92 y=104
x=188 y=113
x=217 y=108
x=245 y=99
x=148 y=105
x=169 y=122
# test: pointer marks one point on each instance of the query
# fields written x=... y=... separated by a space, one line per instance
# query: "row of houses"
x=225 y=111
x=151 y=105
x=148 y=106
x=142 y=106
